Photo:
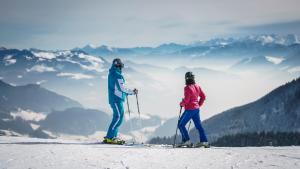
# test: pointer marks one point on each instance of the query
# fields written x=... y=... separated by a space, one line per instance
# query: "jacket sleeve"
x=187 y=97
x=122 y=87
x=202 y=97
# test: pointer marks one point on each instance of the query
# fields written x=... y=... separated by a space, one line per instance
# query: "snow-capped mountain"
x=278 y=111
x=33 y=97
x=236 y=51
x=21 y=107
x=76 y=121
x=160 y=50
x=213 y=45
x=55 y=70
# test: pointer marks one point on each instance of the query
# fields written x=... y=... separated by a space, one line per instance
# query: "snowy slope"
x=17 y=152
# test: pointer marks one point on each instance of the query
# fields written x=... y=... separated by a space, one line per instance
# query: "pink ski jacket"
x=191 y=94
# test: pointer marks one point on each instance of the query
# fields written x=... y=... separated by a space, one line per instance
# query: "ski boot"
x=114 y=140
x=186 y=144
x=202 y=144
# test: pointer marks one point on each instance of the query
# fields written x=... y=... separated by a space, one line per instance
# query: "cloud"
x=41 y=68
x=76 y=76
x=275 y=60
x=291 y=27
x=28 y=115
x=53 y=24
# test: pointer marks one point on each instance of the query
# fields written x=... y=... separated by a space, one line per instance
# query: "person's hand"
x=135 y=91
x=181 y=104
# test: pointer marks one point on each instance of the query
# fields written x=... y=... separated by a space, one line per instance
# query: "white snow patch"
x=10 y=133
x=8 y=60
x=20 y=76
x=266 y=39
x=58 y=153
x=64 y=53
x=275 y=60
x=91 y=84
x=95 y=62
x=28 y=58
x=28 y=115
x=76 y=76
x=1 y=78
x=41 y=82
x=34 y=126
x=6 y=119
x=41 y=68
x=44 y=55
x=294 y=69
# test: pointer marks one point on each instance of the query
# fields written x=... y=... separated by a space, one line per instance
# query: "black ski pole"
x=138 y=106
x=177 y=127
x=128 y=105
x=189 y=126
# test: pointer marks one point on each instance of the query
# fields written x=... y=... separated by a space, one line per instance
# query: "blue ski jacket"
x=116 y=86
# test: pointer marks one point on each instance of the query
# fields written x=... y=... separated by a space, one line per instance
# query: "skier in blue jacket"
x=116 y=94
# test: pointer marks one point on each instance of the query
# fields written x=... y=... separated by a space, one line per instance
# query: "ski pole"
x=177 y=127
x=189 y=125
x=128 y=105
x=138 y=106
x=129 y=117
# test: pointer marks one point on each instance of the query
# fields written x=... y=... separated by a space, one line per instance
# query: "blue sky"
x=64 y=24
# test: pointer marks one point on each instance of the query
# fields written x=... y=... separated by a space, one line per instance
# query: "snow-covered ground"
x=25 y=153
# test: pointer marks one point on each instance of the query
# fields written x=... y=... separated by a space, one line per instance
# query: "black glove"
x=135 y=91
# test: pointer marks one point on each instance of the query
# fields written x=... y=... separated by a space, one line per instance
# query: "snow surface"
x=18 y=152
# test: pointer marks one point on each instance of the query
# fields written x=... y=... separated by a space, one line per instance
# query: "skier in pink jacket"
x=192 y=103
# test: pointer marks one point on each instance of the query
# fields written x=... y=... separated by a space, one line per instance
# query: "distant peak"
x=91 y=46
x=2 y=48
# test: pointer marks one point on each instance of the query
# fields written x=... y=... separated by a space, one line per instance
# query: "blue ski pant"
x=118 y=115
x=185 y=118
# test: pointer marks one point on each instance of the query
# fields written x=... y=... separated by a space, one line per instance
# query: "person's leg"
x=198 y=125
x=116 y=117
x=120 y=108
x=182 y=122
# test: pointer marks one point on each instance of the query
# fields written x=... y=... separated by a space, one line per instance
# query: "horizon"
x=163 y=43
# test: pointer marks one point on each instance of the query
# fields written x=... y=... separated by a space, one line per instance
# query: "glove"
x=135 y=91
x=181 y=103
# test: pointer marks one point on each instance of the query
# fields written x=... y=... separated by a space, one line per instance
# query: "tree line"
x=246 y=139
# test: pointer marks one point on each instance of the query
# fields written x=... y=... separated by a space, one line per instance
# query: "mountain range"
x=33 y=77
x=278 y=111
x=21 y=107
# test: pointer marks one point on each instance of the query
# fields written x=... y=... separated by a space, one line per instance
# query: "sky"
x=57 y=24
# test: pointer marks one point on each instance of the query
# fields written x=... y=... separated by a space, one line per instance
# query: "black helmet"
x=189 y=78
x=118 y=63
x=189 y=75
